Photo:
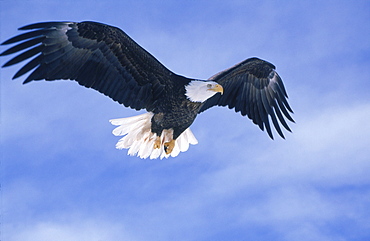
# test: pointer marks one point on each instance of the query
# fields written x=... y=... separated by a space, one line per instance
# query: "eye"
x=209 y=86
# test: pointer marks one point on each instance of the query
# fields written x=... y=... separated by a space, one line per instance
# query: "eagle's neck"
x=199 y=91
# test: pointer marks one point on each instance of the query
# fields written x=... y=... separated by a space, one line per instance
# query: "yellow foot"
x=168 y=146
x=157 y=143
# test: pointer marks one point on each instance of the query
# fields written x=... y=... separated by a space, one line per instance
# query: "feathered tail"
x=139 y=139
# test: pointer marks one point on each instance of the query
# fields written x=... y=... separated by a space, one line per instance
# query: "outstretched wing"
x=256 y=90
x=96 y=55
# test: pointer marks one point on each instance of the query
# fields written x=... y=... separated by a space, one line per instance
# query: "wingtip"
x=26 y=80
x=270 y=134
x=6 y=42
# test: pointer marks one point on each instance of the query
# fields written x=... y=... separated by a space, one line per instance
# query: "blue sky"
x=62 y=178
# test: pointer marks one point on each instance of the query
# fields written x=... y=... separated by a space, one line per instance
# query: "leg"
x=157 y=142
x=168 y=146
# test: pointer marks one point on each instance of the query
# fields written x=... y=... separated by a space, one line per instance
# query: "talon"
x=168 y=146
x=157 y=143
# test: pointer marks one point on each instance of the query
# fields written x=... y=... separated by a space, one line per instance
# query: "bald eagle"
x=106 y=59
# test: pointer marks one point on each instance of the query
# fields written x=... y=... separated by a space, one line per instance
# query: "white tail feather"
x=139 y=140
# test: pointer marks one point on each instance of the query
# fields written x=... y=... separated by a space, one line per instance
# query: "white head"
x=200 y=91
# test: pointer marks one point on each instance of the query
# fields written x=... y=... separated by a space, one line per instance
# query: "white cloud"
x=70 y=229
x=330 y=146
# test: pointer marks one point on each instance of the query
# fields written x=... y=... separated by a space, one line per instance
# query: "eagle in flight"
x=106 y=59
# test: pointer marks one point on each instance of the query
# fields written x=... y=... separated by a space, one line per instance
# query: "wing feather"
x=30 y=65
x=96 y=55
x=28 y=35
x=23 y=46
x=253 y=88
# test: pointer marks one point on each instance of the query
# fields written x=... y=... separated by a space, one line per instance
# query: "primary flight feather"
x=106 y=59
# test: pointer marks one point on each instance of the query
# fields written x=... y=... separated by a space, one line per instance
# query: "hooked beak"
x=218 y=88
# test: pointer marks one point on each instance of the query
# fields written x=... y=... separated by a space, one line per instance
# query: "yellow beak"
x=218 y=88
